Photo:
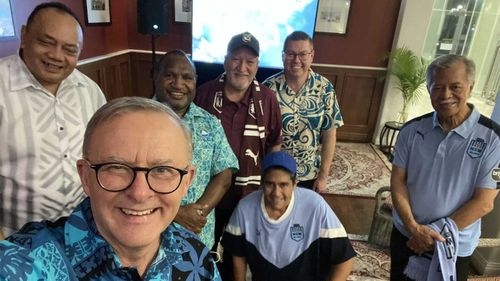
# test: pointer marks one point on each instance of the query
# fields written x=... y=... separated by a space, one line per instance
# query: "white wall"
x=411 y=30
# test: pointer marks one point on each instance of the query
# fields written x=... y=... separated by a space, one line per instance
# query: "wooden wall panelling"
x=359 y=93
x=111 y=74
x=141 y=74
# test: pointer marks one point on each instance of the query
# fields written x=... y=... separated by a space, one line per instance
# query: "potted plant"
x=410 y=70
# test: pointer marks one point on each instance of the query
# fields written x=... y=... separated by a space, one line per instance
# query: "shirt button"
x=65 y=155
x=61 y=128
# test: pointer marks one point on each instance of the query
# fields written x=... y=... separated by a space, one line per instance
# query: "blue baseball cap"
x=279 y=159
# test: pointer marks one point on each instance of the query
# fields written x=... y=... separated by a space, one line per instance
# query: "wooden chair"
x=381 y=228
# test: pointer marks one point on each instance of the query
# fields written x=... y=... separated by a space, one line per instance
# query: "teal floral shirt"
x=72 y=249
x=211 y=155
x=305 y=115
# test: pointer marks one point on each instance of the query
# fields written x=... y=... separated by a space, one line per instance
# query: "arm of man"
x=1 y=235
x=240 y=268
x=478 y=206
x=328 y=140
x=194 y=216
x=422 y=237
x=341 y=271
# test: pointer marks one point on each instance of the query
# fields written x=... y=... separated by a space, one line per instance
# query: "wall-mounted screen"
x=270 y=21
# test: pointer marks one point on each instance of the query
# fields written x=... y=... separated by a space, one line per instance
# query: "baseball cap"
x=279 y=159
x=245 y=39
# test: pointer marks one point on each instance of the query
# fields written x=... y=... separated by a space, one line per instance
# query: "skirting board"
x=483 y=266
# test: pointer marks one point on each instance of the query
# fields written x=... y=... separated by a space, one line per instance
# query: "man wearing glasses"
x=310 y=112
x=136 y=168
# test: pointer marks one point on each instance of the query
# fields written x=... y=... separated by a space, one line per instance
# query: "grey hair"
x=448 y=61
x=121 y=106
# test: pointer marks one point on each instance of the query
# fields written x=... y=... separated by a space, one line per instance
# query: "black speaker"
x=152 y=16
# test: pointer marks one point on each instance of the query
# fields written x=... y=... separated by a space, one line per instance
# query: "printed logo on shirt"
x=476 y=148
x=495 y=174
x=297 y=232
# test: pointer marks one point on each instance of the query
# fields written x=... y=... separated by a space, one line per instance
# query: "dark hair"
x=293 y=177
x=178 y=53
x=54 y=5
x=297 y=36
x=448 y=61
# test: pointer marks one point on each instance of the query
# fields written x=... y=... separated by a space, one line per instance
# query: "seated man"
x=286 y=233
x=136 y=168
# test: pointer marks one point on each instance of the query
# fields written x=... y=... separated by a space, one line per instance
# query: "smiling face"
x=133 y=219
x=278 y=187
x=298 y=56
x=450 y=89
x=50 y=47
x=241 y=67
x=176 y=83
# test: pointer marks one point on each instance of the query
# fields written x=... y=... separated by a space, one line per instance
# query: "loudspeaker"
x=152 y=16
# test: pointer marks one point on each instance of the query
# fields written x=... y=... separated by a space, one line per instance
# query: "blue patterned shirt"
x=72 y=249
x=305 y=115
x=211 y=155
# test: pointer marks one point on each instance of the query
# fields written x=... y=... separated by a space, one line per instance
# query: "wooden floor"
x=355 y=213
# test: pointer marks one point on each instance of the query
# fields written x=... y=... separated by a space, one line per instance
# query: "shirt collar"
x=464 y=129
x=81 y=229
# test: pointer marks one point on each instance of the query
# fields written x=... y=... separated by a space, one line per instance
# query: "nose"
x=56 y=53
x=139 y=190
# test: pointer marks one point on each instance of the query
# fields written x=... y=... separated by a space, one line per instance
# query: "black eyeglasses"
x=115 y=177
x=302 y=55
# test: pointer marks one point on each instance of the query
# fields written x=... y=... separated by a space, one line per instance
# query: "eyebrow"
x=46 y=35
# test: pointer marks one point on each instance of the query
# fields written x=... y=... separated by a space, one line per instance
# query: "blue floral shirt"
x=305 y=115
x=72 y=249
x=211 y=155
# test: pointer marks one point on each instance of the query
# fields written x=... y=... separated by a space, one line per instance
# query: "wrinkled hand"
x=192 y=217
x=320 y=184
x=422 y=239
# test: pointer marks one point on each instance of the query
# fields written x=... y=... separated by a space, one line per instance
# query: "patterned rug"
x=371 y=263
x=358 y=169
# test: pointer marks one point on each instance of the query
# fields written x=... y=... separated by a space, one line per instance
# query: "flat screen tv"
x=270 y=21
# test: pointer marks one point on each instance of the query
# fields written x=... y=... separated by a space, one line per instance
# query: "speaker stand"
x=154 y=65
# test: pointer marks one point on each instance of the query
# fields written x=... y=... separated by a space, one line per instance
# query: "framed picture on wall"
x=332 y=16
x=7 y=30
x=183 y=10
x=97 y=12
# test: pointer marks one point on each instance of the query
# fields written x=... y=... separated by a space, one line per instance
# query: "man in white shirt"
x=45 y=105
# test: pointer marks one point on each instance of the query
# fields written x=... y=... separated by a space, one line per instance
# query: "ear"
x=312 y=55
x=471 y=87
x=24 y=31
x=188 y=179
x=83 y=171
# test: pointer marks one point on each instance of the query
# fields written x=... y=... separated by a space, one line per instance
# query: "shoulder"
x=274 y=79
x=310 y=198
x=489 y=124
x=423 y=120
x=34 y=234
x=251 y=201
x=207 y=87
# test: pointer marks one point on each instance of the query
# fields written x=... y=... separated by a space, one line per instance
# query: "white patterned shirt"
x=41 y=139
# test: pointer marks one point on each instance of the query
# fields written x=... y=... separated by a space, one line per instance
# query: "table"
x=388 y=136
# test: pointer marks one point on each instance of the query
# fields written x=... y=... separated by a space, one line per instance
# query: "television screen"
x=270 y=21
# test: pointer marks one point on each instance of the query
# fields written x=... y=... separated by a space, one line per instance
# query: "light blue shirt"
x=211 y=155
x=443 y=170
